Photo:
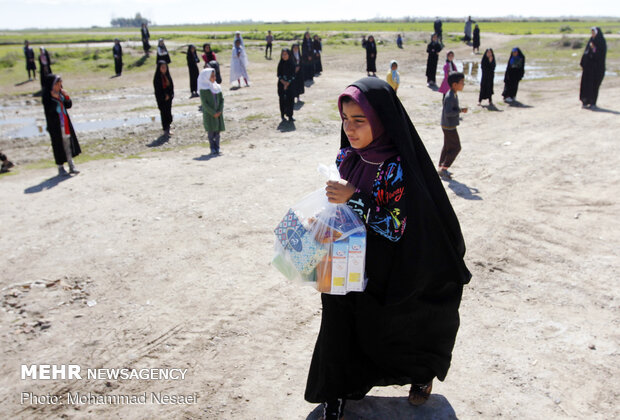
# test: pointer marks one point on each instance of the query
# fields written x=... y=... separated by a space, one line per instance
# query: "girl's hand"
x=217 y=115
x=464 y=110
x=339 y=191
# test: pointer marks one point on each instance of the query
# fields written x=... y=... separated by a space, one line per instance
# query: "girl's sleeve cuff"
x=360 y=203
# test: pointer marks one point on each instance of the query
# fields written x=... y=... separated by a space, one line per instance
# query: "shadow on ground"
x=517 y=104
x=48 y=184
x=286 y=126
x=206 y=157
x=492 y=107
x=393 y=408
x=464 y=191
x=297 y=106
x=597 y=109
x=159 y=141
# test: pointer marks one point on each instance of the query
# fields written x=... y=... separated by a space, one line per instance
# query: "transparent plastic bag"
x=322 y=243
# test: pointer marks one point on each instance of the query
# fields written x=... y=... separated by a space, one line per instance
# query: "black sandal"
x=419 y=393
x=334 y=410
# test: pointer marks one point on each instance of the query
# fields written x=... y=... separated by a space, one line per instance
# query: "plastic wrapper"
x=322 y=243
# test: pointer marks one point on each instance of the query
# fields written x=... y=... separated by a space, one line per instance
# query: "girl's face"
x=163 y=68
x=295 y=49
x=515 y=53
x=394 y=66
x=356 y=125
x=450 y=56
x=434 y=38
x=284 y=55
x=237 y=43
x=371 y=39
x=207 y=48
x=57 y=86
x=212 y=78
x=307 y=35
x=593 y=33
x=192 y=49
x=490 y=55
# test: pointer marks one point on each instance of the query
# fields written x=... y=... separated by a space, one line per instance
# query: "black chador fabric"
x=433 y=50
x=44 y=69
x=117 y=52
x=216 y=66
x=192 y=65
x=593 y=65
x=298 y=83
x=371 y=56
x=165 y=106
x=476 y=42
x=286 y=72
x=307 y=54
x=144 y=33
x=318 y=66
x=488 y=75
x=402 y=329
x=515 y=69
x=52 y=119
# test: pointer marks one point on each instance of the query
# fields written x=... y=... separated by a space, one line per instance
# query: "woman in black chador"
x=371 y=55
x=145 y=35
x=286 y=90
x=117 y=52
x=192 y=65
x=476 y=43
x=65 y=144
x=514 y=73
x=164 y=92
x=593 y=65
x=402 y=328
x=307 y=53
x=317 y=47
x=433 y=49
x=298 y=83
x=488 y=75
x=45 y=65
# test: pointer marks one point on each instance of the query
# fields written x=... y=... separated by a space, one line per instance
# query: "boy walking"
x=449 y=122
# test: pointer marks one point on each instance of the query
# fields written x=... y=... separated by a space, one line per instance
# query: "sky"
x=21 y=14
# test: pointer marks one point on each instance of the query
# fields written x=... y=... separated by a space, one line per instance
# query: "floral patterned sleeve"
x=384 y=210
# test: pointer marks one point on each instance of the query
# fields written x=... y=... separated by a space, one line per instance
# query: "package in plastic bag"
x=322 y=243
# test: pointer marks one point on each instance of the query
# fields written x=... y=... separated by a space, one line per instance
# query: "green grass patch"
x=256 y=117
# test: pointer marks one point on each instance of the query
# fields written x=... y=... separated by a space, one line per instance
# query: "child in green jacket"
x=212 y=107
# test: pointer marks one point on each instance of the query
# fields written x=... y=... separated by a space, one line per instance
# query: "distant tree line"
x=134 y=22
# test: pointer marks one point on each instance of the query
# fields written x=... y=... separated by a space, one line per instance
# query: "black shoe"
x=61 y=171
x=74 y=171
x=291 y=119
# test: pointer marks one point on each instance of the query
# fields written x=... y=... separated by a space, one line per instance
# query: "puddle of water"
x=472 y=71
x=34 y=128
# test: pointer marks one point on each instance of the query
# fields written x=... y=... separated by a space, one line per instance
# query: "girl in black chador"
x=192 y=65
x=593 y=65
x=307 y=53
x=162 y=52
x=433 y=49
x=65 y=144
x=371 y=55
x=514 y=73
x=164 y=92
x=402 y=328
x=488 y=74
x=286 y=90
x=298 y=83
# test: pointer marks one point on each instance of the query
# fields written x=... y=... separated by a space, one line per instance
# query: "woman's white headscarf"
x=205 y=83
x=238 y=37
